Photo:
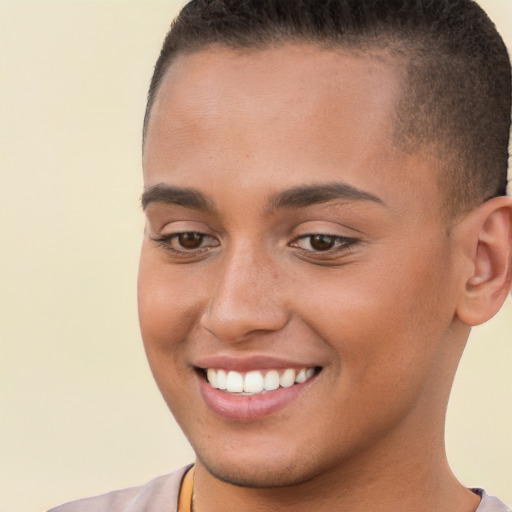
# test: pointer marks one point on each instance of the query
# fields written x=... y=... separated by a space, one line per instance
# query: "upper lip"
x=246 y=364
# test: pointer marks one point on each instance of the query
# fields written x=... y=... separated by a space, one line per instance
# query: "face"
x=294 y=256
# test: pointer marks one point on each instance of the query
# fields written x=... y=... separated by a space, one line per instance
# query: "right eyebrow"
x=170 y=194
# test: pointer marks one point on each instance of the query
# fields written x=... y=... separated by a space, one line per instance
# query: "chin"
x=251 y=479
x=266 y=474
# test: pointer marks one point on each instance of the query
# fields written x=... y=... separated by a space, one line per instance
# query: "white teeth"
x=255 y=382
x=211 y=375
x=235 y=382
x=301 y=376
x=271 y=381
x=287 y=379
x=222 y=379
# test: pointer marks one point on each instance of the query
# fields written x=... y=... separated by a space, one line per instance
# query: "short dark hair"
x=456 y=71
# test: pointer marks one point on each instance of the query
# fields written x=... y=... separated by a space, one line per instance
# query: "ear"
x=488 y=252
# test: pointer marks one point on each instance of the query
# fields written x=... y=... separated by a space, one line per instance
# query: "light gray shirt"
x=161 y=495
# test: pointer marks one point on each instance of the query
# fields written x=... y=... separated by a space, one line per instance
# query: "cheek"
x=165 y=319
x=168 y=301
x=385 y=320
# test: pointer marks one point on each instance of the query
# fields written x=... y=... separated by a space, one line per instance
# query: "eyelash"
x=342 y=244
x=166 y=241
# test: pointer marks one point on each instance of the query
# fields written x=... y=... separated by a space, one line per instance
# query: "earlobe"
x=488 y=246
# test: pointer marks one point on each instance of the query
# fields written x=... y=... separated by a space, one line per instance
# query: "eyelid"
x=166 y=225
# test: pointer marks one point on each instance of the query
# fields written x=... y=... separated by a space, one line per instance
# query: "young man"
x=326 y=219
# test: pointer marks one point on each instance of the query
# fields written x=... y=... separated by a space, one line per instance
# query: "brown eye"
x=331 y=245
x=190 y=240
x=322 y=242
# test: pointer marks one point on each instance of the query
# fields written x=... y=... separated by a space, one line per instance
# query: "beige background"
x=79 y=411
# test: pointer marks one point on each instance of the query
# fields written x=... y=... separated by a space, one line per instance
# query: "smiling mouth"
x=257 y=382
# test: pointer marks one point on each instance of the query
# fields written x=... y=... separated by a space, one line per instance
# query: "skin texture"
x=380 y=312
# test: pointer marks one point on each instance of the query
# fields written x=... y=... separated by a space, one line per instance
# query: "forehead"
x=284 y=67
x=271 y=111
x=298 y=80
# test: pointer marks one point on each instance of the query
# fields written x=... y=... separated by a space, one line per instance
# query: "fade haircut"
x=455 y=70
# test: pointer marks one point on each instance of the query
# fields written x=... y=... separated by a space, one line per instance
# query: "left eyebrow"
x=309 y=195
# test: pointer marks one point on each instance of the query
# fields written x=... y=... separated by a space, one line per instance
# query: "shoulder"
x=490 y=503
x=156 y=495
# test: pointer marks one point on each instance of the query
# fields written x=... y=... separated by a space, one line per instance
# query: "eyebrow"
x=309 y=195
x=168 y=194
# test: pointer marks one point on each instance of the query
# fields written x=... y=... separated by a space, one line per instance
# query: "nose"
x=247 y=298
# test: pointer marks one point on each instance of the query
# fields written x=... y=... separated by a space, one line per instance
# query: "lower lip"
x=249 y=407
